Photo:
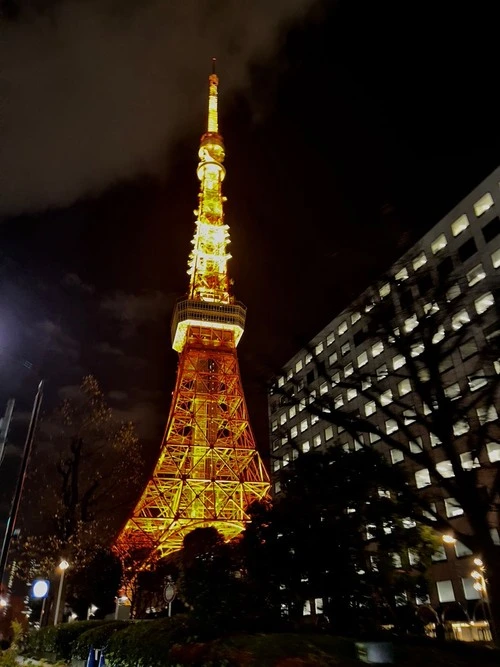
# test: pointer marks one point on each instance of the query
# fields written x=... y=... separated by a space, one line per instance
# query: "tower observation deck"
x=208 y=470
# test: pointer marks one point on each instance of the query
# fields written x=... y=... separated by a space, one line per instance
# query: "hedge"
x=96 y=638
x=57 y=639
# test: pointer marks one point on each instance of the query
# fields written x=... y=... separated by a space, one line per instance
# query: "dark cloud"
x=117 y=395
x=133 y=310
x=147 y=417
x=107 y=349
x=96 y=91
x=74 y=282
x=54 y=339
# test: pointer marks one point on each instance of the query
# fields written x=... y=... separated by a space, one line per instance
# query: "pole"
x=43 y=609
x=4 y=426
x=11 y=521
x=59 y=594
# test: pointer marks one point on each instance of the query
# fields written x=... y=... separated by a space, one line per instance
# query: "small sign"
x=40 y=589
x=170 y=592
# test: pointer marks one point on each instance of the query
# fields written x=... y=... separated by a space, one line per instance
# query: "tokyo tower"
x=208 y=471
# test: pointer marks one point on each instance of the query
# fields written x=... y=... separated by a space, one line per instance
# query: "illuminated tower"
x=208 y=471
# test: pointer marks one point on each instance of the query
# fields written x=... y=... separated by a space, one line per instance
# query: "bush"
x=57 y=639
x=96 y=638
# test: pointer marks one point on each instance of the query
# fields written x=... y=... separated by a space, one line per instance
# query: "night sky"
x=350 y=129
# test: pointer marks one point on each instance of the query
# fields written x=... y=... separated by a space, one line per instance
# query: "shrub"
x=96 y=638
x=57 y=639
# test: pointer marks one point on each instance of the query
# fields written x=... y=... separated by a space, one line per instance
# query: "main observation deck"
x=191 y=312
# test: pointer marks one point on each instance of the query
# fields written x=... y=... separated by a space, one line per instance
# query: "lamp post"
x=63 y=566
x=480 y=584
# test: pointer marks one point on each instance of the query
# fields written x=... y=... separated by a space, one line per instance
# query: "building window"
x=370 y=408
x=468 y=462
x=342 y=328
x=351 y=393
x=317 y=440
x=292 y=412
x=486 y=414
x=304 y=425
x=470 y=593
x=483 y=204
x=335 y=378
x=330 y=338
x=274 y=426
x=391 y=426
x=493 y=449
x=484 y=302
x=453 y=292
x=416 y=445
x=422 y=478
x=308 y=358
x=283 y=418
x=495 y=258
x=332 y=359
x=452 y=391
x=435 y=441
x=348 y=370
x=459 y=319
x=397 y=456
x=438 y=244
x=385 y=290
x=374 y=437
x=439 y=554
x=298 y=366
x=318 y=349
x=306 y=446
x=445 y=591
x=460 y=427
x=294 y=432
x=328 y=433
x=404 y=387
x=276 y=465
x=377 y=348
x=386 y=397
x=398 y=361
x=475 y=275
x=410 y=323
x=362 y=359
x=452 y=508
x=314 y=419
x=338 y=401
x=430 y=308
x=402 y=274
x=355 y=317
x=430 y=515
x=277 y=486
x=477 y=380
x=289 y=374
x=323 y=388
x=381 y=372
x=419 y=261
x=461 y=550
x=345 y=349
x=491 y=230
x=409 y=417
x=467 y=249
x=281 y=381
x=459 y=225
x=286 y=459
x=417 y=349
x=445 y=469
x=468 y=349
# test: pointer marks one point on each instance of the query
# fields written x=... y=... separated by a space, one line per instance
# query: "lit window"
x=459 y=319
x=374 y=437
x=438 y=244
x=419 y=261
x=298 y=366
x=338 y=401
x=409 y=417
x=283 y=418
x=381 y=372
x=292 y=412
x=332 y=359
x=439 y=554
x=445 y=469
x=431 y=308
x=367 y=383
x=417 y=349
x=330 y=338
x=483 y=204
x=477 y=380
x=303 y=425
x=397 y=456
x=342 y=328
x=413 y=558
x=410 y=323
x=422 y=478
x=435 y=441
x=377 y=348
x=453 y=391
x=370 y=408
x=496 y=365
x=408 y=523
x=293 y=432
x=459 y=225
x=453 y=292
x=308 y=358
x=355 y=317
x=452 y=508
x=475 y=275
x=284 y=440
x=351 y=393
x=362 y=359
x=281 y=381
x=468 y=349
x=495 y=536
x=274 y=426
x=493 y=449
x=468 y=462
x=416 y=445
x=486 y=414
x=445 y=591
x=495 y=258
x=424 y=375
x=348 y=370
x=335 y=378
x=396 y=560
x=306 y=446
x=460 y=427
x=385 y=290
x=289 y=375
x=302 y=405
x=286 y=459
x=328 y=433
x=484 y=302
x=439 y=335
x=276 y=465
x=317 y=440
x=402 y=274
x=277 y=487
x=314 y=419
x=398 y=361
x=461 y=550
x=384 y=493
x=391 y=426
x=430 y=515
x=319 y=348
x=404 y=387
x=345 y=349
x=323 y=388
x=386 y=397
x=470 y=593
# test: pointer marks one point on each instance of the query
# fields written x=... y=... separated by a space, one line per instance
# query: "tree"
x=440 y=420
x=335 y=533
x=83 y=469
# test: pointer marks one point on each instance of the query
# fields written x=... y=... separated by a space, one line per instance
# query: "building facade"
x=463 y=250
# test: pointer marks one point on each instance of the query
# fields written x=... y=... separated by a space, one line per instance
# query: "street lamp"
x=63 y=566
x=480 y=585
x=449 y=539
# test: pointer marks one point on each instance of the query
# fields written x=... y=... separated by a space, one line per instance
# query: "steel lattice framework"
x=209 y=470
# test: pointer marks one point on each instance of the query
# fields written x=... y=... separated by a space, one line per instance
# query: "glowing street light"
x=63 y=566
x=449 y=539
